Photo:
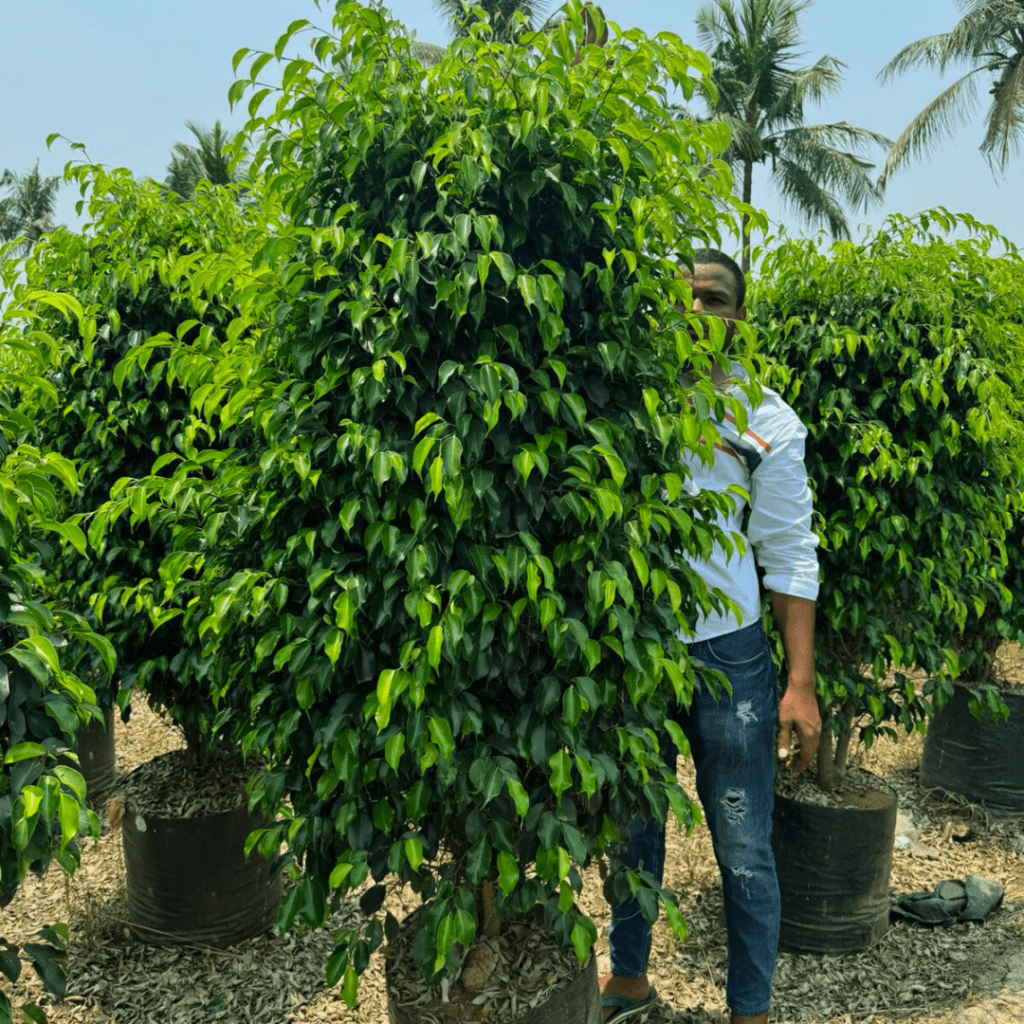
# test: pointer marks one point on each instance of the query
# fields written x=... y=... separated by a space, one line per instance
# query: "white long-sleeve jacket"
x=767 y=461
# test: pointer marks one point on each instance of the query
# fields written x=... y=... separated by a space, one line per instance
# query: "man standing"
x=732 y=740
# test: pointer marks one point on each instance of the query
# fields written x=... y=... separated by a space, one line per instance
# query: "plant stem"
x=489 y=909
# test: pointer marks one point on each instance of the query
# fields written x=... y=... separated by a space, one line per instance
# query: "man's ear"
x=741 y=313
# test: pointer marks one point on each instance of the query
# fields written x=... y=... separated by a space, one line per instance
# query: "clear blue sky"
x=123 y=76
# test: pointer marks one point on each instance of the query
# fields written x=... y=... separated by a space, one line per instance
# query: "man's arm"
x=784 y=543
x=798 y=708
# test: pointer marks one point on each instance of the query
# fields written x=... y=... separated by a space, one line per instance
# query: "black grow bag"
x=833 y=866
x=979 y=759
x=94 y=746
x=187 y=879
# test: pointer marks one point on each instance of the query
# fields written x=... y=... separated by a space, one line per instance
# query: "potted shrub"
x=42 y=706
x=457 y=605
x=915 y=455
x=149 y=266
x=975 y=742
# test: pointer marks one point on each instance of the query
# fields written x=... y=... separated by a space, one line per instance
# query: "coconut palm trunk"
x=763 y=96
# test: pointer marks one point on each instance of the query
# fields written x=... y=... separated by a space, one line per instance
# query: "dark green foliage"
x=905 y=359
x=42 y=811
x=144 y=268
x=446 y=572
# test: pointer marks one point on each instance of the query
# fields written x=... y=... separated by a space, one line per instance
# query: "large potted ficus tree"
x=42 y=705
x=975 y=742
x=448 y=572
x=913 y=404
x=148 y=267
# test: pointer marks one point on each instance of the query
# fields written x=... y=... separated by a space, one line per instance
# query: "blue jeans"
x=732 y=742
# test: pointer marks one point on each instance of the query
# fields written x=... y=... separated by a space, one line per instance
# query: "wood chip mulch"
x=967 y=974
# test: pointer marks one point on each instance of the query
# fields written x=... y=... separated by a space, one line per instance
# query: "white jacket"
x=767 y=461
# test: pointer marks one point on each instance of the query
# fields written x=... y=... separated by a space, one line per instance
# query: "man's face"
x=714 y=294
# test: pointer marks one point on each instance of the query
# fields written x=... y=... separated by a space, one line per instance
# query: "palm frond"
x=819 y=80
x=938 y=120
x=428 y=54
x=809 y=199
x=927 y=52
x=840 y=133
x=1006 y=116
x=716 y=23
x=27 y=211
x=839 y=171
x=747 y=142
x=458 y=14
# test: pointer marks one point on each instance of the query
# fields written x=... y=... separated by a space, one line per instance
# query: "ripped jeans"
x=733 y=747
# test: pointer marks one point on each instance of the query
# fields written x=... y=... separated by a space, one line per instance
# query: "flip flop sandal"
x=625 y=1007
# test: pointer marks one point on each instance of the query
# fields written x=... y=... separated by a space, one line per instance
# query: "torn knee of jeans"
x=734 y=803
x=744 y=875
x=745 y=712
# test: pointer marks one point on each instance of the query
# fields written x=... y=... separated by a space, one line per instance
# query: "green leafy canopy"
x=444 y=565
x=907 y=357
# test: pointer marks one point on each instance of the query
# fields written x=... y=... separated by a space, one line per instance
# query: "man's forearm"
x=795 y=619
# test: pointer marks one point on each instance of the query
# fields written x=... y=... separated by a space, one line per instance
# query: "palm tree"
x=210 y=160
x=27 y=211
x=990 y=39
x=761 y=96
x=501 y=12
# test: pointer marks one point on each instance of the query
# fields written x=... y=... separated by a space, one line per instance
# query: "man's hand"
x=798 y=710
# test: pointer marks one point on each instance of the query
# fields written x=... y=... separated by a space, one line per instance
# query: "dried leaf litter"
x=957 y=976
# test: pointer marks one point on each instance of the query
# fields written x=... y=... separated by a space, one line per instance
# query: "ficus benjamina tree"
x=42 y=703
x=447 y=570
x=904 y=356
x=144 y=267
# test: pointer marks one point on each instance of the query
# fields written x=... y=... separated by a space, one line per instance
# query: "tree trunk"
x=826 y=766
x=832 y=753
x=748 y=182
x=491 y=918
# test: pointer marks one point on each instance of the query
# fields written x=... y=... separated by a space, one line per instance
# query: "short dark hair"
x=718 y=257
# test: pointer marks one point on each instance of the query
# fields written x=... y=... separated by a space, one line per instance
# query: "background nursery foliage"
x=42 y=811
x=145 y=268
x=907 y=355
x=446 y=570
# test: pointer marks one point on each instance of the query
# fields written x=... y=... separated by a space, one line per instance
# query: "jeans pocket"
x=741 y=647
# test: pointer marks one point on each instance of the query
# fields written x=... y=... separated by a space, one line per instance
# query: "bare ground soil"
x=967 y=974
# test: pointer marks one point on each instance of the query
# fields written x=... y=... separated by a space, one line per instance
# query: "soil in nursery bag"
x=967 y=974
x=520 y=977
x=186 y=876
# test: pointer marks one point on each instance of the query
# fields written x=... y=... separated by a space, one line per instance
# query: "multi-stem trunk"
x=833 y=753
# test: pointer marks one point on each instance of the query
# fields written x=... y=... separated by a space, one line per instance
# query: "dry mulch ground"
x=967 y=974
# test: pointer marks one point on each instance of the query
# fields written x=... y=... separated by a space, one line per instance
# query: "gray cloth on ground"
x=951 y=902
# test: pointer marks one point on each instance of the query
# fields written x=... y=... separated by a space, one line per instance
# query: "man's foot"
x=630 y=991
x=761 y=1018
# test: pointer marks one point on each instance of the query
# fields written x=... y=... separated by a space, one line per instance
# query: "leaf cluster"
x=903 y=356
x=144 y=270
x=441 y=557
x=42 y=813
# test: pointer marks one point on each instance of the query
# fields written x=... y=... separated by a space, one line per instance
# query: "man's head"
x=717 y=258
x=717 y=284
